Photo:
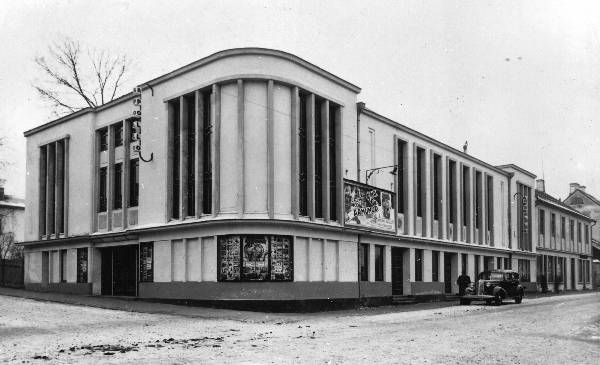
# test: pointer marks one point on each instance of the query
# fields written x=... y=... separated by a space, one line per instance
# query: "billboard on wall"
x=368 y=207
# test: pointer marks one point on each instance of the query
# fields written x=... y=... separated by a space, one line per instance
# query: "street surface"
x=561 y=329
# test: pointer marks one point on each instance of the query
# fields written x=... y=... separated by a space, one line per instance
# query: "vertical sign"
x=229 y=258
x=82 y=265
x=281 y=263
x=146 y=261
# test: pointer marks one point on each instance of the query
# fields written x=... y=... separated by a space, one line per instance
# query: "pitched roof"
x=549 y=199
x=587 y=195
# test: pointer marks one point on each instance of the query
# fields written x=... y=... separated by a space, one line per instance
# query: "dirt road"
x=553 y=330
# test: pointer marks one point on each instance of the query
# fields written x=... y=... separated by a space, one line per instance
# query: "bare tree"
x=8 y=248
x=76 y=79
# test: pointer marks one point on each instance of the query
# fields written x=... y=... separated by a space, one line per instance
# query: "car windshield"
x=486 y=275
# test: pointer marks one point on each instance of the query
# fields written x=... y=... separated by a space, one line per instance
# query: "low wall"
x=11 y=273
x=67 y=288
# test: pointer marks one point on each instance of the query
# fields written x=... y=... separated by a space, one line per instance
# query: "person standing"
x=463 y=281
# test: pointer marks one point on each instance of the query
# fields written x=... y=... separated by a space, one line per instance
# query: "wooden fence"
x=11 y=273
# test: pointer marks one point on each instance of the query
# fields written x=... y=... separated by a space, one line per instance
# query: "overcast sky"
x=520 y=80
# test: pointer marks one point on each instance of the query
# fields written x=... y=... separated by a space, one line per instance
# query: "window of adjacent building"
x=435 y=265
x=587 y=234
x=118 y=134
x=437 y=186
x=477 y=267
x=418 y=265
x=578 y=232
x=118 y=186
x=82 y=265
x=572 y=230
x=102 y=189
x=363 y=259
x=63 y=265
x=553 y=225
x=550 y=268
x=542 y=222
x=53 y=175
x=524 y=270
x=420 y=193
x=134 y=182
x=452 y=191
x=379 y=262
x=464 y=265
x=581 y=271
x=563 y=227
x=402 y=176
x=190 y=160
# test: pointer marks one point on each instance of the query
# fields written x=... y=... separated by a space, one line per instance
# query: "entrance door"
x=397 y=275
x=119 y=270
x=447 y=272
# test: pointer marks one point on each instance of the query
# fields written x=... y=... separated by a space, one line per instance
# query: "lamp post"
x=370 y=172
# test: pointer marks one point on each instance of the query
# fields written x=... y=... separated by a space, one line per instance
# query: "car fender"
x=499 y=291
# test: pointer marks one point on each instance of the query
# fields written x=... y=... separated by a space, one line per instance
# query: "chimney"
x=582 y=188
x=572 y=187
x=540 y=185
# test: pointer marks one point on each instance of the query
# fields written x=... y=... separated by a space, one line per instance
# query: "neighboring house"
x=563 y=244
x=589 y=205
x=12 y=218
x=258 y=176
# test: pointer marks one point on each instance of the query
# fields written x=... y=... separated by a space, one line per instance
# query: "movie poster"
x=229 y=258
x=82 y=265
x=368 y=207
x=281 y=258
x=256 y=258
x=146 y=265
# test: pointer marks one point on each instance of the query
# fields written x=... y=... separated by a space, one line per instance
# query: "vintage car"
x=493 y=287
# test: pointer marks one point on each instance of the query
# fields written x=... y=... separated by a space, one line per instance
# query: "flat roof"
x=520 y=169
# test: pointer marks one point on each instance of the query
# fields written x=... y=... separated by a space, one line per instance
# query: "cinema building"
x=255 y=175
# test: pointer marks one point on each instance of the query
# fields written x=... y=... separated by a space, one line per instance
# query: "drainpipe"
x=510 y=176
x=360 y=106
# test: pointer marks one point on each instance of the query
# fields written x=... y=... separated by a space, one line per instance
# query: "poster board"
x=82 y=265
x=147 y=261
x=369 y=207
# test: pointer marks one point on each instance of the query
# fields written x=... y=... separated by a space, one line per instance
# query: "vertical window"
x=580 y=279
x=118 y=186
x=82 y=265
x=118 y=134
x=303 y=151
x=103 y=139
x=175 y=144
x=318 y=158
x=578 y=232
x=379 y=262
x=435 y=266
x=452 y=191
x=542 y=222
x=477 y=268
x=102 y=189
x=63 y=266
x=563 y=227
x=363 y=258
x=401 y=191
x=207 y=153
x=587 y=234
x=465 y=196
x=43 y=189
x=437 y=185
x=191 y=155
x=333 y=111
x=478 y=200
x=464 y=263
x=418 y=265
x=489 y=203
x=420 y=180
x=553 y=225
x=572 y=230
x=134 y=182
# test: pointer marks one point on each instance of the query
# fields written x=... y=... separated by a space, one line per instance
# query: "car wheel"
x=518 y=299
x=498 y=299
x=465 y=302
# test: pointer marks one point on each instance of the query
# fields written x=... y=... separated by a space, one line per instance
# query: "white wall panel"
x=209 y=259
x=178 y=265
x=194 y=259
x=71 y=265
x=229 y=150
x=348 y=259
x=315 y=254
x=300 y=259
x=282 y=148
x=162 y=261
x=255 y=146
x=330 y=261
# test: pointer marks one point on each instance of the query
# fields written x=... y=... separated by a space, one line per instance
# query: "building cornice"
x=520 y=169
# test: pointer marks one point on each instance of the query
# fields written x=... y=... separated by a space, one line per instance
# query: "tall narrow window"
x=402 y=170
x=478 y=200
x=118 y=186
x=175 y=143
x=51 y=192
x=134 y=182
x=63 y=266
x=303 y=151
x=333 y=111
x=420 y=181
x=363 y=259
x=477 y=267
x=103 y=139
x=452 y=191
x=437 y=184
x=418 y=265
x=542 y=222
x=553 y=225
x=578 y=232
x=102 y=189
x=572 y=230
x=318 y=158
x=563 y=228
x=82 y=265
x=489 y=204
x=43 y=189
x=465 y=196
x=191 y=155
x=207 y=154
x=379 y=267
x=118 y=134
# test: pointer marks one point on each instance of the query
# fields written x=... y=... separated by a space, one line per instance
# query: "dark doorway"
x=397 y=275
x=447 y=272
x=119 y=270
